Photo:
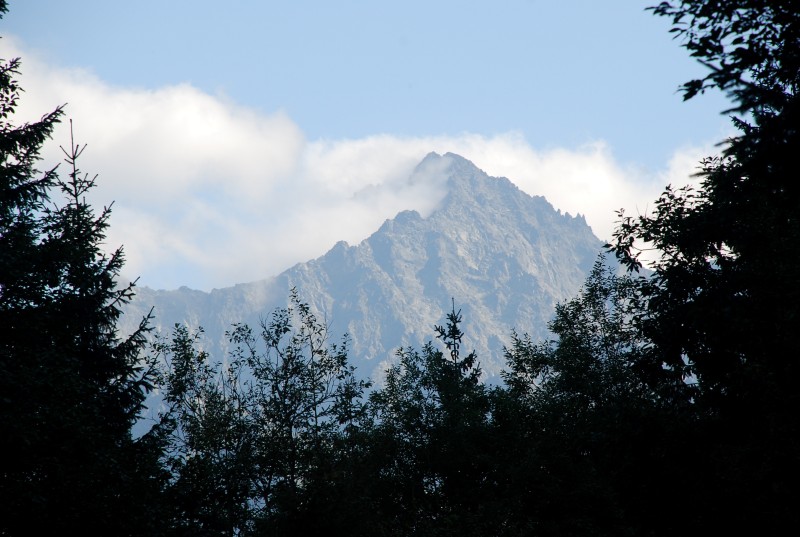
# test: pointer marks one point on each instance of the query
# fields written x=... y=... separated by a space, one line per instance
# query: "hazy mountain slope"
x=504 y=256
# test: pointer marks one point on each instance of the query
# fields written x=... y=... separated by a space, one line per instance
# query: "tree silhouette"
x=71 y=388
x=430 y=436
x=722 y=304
x=600 y=436
x=257 y=440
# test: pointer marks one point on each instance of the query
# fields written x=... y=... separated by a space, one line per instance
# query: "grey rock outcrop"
x=504 y=257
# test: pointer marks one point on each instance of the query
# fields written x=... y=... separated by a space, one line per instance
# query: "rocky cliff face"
x=504 y=257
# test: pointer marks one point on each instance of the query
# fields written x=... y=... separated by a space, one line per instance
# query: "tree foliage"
x=595 y=421
x=430 y=437
x=254 y=438
x=722 y=304
x=724 y=294
x=71 y=388
x=750 y=48
x=599 y=356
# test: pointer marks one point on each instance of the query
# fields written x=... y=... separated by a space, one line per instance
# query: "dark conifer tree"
x=70 y=389
x=430 y=454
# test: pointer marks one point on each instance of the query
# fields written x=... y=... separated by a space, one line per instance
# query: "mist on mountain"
x=502 y=257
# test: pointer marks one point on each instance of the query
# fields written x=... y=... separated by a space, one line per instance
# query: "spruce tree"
x=70 y=388
x=429 y=440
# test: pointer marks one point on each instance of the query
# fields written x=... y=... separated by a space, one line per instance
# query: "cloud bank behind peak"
x=208 y=193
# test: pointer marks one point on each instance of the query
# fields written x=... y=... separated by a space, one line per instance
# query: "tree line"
x=665 y=402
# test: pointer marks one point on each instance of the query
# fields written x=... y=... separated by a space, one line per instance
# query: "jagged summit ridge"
x=505 y=257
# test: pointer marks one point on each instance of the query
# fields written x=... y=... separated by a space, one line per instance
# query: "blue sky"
x=233 y=138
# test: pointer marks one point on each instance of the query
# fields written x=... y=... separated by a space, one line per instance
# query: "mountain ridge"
x=505 y=258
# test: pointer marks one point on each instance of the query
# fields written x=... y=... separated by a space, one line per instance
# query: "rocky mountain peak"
x=504 y=257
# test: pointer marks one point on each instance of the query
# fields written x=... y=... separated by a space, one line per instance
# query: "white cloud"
x=586 y=180
x=208 y=193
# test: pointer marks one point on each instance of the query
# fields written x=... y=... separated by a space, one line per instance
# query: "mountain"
x=505 y=258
